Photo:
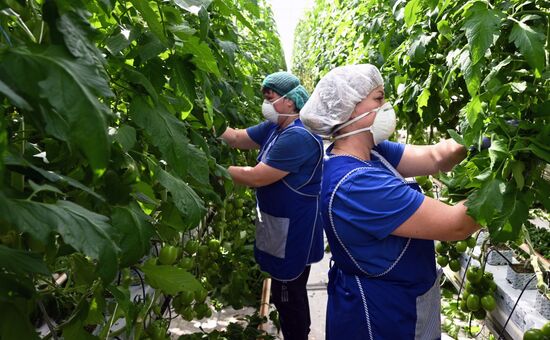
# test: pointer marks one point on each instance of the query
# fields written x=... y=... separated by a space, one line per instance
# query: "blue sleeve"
x=377 y=202
x=292 y=150
x=258 y=133
x=391 y=151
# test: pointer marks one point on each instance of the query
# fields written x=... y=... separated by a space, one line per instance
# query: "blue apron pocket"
x=428 y=313
x=271 y=234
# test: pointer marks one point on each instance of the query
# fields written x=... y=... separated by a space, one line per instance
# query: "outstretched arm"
x=435 y=220
x=422 y=160
x=258 y=176
x=239 y=138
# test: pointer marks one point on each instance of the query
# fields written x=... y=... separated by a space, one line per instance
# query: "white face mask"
x=382 y=127
x=269 y=112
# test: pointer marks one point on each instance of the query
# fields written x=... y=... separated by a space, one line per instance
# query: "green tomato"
x=480 y=314
x=473 y=302
x=471 y=242
x=191 y=247
x=168 y=255
x=442 y=260
x=464 y=306
x=156 y=331
x=474 y=274
x=214 y=245
x=454 y=265
x=461 y=246
x=488 y=302
x=186 y=297
x=546 y=329
x=186 y=263
x=187 y=313
x=441 y=248
x=200 y=295
x=239 y=202
x=203 y=251
x=533 y=334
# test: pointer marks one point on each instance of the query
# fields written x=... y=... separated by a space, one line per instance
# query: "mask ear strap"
x=352 y=133
x=349 y=122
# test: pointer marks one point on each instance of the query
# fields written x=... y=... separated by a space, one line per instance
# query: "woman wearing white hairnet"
x=383 y=283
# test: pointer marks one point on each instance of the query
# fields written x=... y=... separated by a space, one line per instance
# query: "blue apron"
x=401 y=301
x=289 y=232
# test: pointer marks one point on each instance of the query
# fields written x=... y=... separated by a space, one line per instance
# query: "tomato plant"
x=111 y=111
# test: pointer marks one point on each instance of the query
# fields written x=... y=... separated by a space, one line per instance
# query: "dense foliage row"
x=109 y=112
x=465 y=69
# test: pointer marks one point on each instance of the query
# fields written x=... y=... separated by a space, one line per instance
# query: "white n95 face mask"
x=269 y=112
x=382 y=127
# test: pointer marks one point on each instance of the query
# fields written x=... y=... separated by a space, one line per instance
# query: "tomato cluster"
x=222 y=259
x=448 y=253
x=538 y=334
x=478 y=297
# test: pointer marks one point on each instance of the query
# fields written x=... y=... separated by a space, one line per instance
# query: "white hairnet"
x=336 y=95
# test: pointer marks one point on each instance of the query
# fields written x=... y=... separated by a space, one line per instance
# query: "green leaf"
x=82 y=229
x=169 y=135
x=15 y=322
x=22 y=262
x=498 y=151
x=482 y=26
x=412 y=9
x=118 y=41
x=36 y=188
x=14 y=97
x=185 y=199
x=192 y=6
x=540 y=152
x=151 y=18
x=473 y=109
x=203 y=57
x=171 y=280
x=52 y=176
x=76 y=34
x=445 y=30
x=508 y=222
x=137 y=77
x=518 y=167
x=72 y=89
x=126 y=136
x=485 y=202
x=472 y=72
x=14 y=285
x=457 y=138
x=183 y=30
x=422 y=100
x=531 y=45
x=134 y=233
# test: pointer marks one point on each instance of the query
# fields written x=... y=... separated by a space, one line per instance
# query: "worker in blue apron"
x=287 y=178
x=383 y=282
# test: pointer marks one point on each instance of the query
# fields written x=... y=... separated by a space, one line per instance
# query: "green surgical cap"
x=286 y=84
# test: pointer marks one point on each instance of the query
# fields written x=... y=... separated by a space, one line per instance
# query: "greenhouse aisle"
x=317 y=293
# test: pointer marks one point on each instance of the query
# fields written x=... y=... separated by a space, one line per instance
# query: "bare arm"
x=422 y=160
x=258 y=176
x=239 y=138
x=435 y=220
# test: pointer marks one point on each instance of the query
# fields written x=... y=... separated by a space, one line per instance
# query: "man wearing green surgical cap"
x=287 y=179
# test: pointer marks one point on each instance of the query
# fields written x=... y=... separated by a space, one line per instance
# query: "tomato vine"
x=110 y=113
